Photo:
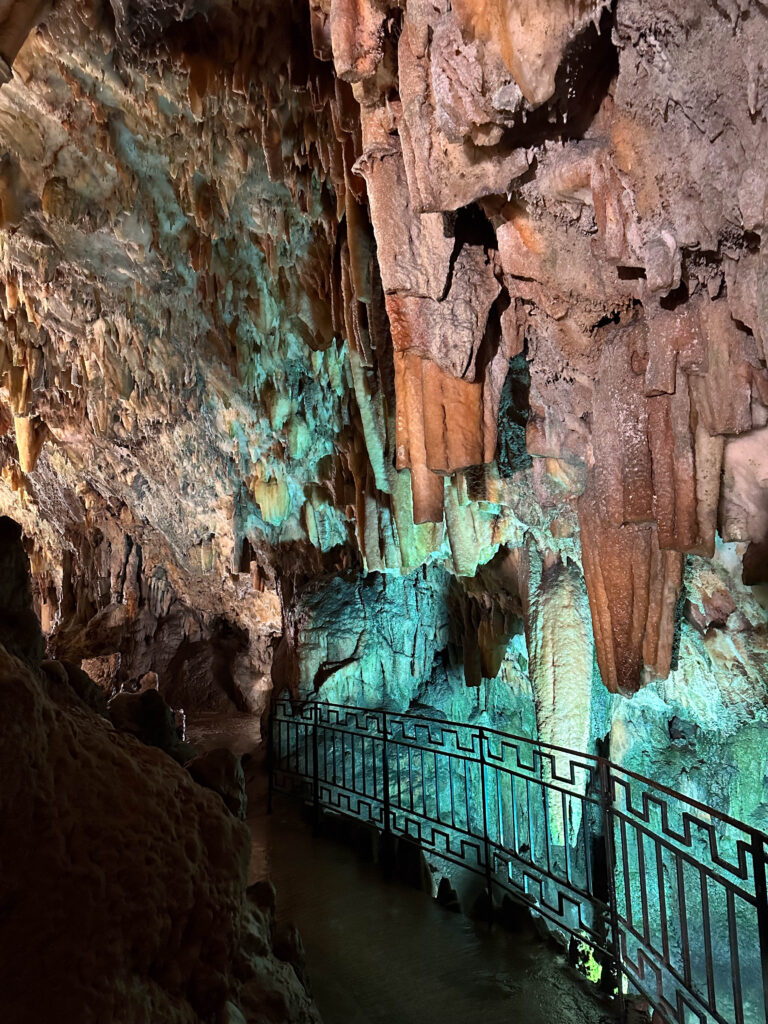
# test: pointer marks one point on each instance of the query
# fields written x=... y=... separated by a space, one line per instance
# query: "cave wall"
x=124 y=881
x=429 y=337
x=139 y=286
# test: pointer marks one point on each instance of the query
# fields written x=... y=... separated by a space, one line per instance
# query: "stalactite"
x=404 y=284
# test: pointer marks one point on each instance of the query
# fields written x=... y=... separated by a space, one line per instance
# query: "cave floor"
x=379 y=952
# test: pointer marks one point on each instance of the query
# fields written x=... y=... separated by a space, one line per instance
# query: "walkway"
x=380 y=953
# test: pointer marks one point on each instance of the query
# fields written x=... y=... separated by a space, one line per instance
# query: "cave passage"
x=380 y=952
x=379 y=949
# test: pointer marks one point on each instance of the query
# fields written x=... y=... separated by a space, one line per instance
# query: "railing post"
x=271 y=752
x=387 y=846
x=315 y=771
x=606 y=800
x=486 y=838
x=761 y=900
x=385 y=773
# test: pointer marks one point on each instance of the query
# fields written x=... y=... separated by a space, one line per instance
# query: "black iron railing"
x=668 y=894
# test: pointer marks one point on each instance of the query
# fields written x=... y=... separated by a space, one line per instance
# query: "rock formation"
x=123 y=882
x=322 y=315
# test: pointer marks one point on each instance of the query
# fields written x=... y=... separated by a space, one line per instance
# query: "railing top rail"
x=594 y=759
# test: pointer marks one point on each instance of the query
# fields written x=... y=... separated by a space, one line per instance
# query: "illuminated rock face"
x=319 y=316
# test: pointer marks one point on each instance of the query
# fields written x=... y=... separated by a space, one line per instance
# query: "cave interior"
x=395 y=355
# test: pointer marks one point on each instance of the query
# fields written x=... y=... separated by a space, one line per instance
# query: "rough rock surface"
x=221 y=771
x=467 y=295
x=123 y=880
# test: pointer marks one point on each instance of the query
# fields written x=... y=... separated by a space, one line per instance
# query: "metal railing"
x=669 y=894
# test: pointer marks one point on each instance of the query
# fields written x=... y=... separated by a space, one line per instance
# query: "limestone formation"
x=318 y=315
x=123 y=882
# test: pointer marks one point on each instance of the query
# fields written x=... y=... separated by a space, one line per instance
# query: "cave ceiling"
x=339 y=286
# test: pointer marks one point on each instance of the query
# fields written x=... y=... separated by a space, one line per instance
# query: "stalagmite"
x=560 y=656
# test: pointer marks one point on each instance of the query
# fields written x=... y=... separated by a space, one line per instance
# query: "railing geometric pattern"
x=670 y=894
